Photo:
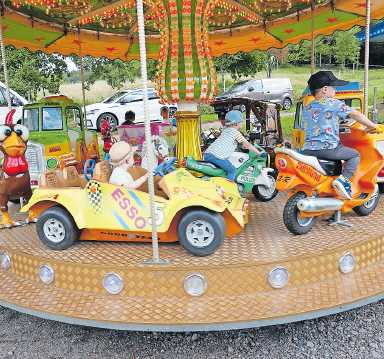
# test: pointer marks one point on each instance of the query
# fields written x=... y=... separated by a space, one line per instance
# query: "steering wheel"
x=89 y=167
x=165 y=167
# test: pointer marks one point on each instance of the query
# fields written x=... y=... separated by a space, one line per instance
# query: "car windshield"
x=239 y=87
x=115 y=97
x=135 y=96
x=52 y=118
x=31 y=119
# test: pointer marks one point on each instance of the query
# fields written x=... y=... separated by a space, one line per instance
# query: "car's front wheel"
x=111 y=118
x=201 y=231
x=57 y=229
x=287 y=103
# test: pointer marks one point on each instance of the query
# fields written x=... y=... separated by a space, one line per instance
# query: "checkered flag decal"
x=95 y=195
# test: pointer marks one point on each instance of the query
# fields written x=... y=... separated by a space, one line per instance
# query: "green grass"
x=287 y=126
x=208 y=117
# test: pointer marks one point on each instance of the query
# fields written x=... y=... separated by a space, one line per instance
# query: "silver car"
x=277 y=90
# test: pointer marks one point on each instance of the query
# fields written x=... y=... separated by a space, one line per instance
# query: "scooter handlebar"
x=373 y=131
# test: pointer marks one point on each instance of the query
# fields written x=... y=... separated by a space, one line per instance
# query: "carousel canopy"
x=109 y=27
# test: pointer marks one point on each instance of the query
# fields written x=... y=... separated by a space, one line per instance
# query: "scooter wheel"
x=292 y=218
x=368 y=207
x=263 y=193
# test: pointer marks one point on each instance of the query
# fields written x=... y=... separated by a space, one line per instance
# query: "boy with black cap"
x=321 y=124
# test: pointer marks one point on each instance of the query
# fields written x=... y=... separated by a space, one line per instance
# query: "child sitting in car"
x=219 y=151
x=121 y=159
x=125 y=174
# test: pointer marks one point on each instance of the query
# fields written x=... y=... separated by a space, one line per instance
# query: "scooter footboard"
x=287 y=181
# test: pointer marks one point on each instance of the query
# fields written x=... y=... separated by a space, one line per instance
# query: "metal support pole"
x=313 y=60
x=83 y=91
x=374 y=112
x=4 y=63
x=366 y=55
x=148 y=138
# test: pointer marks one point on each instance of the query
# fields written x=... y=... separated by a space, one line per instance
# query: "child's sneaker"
x=343 y=186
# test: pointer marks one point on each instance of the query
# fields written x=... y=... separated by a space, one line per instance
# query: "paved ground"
x=355 y=334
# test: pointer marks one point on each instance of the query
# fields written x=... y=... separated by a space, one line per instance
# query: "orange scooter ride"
x=308 y=180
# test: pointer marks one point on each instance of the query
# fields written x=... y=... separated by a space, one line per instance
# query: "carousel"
x=186 y=250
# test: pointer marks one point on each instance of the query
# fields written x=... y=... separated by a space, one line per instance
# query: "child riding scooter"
x=317 y=180
x=249 y=171
x=219 y=151
x=321 y=120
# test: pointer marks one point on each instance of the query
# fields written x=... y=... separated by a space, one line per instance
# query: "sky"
x=70 y=64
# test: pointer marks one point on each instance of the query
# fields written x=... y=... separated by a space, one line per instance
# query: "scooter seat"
x=309 y=160
x=332 y=168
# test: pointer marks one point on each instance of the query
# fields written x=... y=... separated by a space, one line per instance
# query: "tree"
x=115 y=72
x=271 y=61
x=323 y=47
x=300 y=53
x=33 y=72
x=242 y=64
x=347 y=47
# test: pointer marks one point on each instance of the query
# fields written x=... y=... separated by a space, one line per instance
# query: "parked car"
x=17 y=102
x=114 y=108
x=277 y=90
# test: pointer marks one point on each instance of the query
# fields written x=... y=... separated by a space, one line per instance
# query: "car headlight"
x=92 y=112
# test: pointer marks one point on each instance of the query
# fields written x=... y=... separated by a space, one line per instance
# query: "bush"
x=206 y=109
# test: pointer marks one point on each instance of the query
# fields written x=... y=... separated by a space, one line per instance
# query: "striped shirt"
x=226 y=143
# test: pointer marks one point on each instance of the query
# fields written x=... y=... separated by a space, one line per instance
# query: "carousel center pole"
x=188 y=131
x=4 y=63
x=186 y=72
x=366 y=55
x=148 y=138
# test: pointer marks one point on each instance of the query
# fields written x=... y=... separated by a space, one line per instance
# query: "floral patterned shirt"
x=321 y=123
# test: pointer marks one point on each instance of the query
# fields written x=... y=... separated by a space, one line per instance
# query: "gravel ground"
x=354 y=334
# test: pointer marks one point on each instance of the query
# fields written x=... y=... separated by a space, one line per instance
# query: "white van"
x=17 y=102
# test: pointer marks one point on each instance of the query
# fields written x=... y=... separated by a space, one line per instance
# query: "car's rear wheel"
x=111 y=118
x=57 y=229
x=287 y=103
x=201 y=232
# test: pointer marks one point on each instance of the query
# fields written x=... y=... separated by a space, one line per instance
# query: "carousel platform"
x=238 y=293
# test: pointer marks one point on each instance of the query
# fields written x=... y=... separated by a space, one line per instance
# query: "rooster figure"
x=106 y=133
x=14 y=174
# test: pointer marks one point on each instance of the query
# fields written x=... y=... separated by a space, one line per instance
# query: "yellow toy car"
x=199 y=213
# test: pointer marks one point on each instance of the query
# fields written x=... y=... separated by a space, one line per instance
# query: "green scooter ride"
x=252 y=173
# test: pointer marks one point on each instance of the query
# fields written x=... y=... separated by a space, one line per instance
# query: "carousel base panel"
x=238 y=293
